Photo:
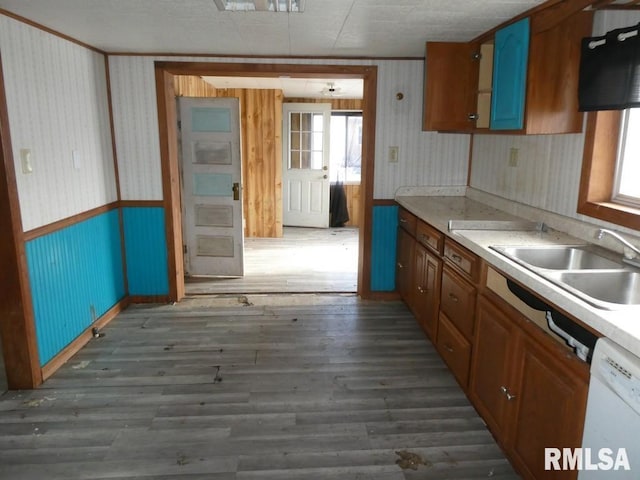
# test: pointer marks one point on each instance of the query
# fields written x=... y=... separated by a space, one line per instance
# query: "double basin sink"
x=588 y=272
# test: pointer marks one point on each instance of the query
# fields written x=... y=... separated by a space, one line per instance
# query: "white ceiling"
x=294 y=87
x=331 y=28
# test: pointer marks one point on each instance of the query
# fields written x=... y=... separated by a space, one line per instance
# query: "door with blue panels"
x=211 y=186
x=510 y=58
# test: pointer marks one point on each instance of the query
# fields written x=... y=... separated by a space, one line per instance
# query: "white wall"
x=425 y=158
x=549 y=166
x=57 y=102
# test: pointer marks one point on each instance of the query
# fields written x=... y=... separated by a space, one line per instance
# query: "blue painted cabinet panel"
x=76 y=275
x=383 y=248
x=146 y=250
x=510 y=57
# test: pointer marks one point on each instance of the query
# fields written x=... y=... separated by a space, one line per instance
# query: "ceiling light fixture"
x=283 y=6
x=331 y=90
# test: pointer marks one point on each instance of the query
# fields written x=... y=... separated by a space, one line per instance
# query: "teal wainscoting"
x=383 y=248
x=146 y=251
x=76 y=276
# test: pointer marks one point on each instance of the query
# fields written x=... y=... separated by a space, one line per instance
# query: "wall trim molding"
x=56 y=33
x=67 y=222
x=81 y=340
x=165 y=94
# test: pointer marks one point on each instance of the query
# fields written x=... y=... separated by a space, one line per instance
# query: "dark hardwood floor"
x=255 y=387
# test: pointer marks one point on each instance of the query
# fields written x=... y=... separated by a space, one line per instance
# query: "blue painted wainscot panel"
x=76 y=276
x=383 y=248
x=146 y=250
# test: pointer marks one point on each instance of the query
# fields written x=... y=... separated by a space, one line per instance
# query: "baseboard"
x=149 y=299
x=384 y=296
x=70 y=350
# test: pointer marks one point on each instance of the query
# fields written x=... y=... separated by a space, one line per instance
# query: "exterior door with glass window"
x=211 y=186
x=305 y=172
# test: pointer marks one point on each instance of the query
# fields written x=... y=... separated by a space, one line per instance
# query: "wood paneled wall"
x=261 y=114
x=261 y=123
x=336 y=103
x=352 y=193
x=192 y=86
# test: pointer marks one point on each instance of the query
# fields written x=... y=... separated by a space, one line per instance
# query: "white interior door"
x=211 y=186
x=305 y=169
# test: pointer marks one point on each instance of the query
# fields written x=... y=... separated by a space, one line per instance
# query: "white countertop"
x=621 y=325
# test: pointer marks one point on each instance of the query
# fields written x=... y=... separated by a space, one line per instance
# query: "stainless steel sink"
x=559 y=257
x=604 y=289
x=586 y=271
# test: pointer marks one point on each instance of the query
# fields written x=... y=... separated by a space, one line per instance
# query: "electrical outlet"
x=513 y=157
x=393 y=154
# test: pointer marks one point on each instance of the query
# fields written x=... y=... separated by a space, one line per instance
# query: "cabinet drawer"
x=462 y=259
x=429 y=237
x=407 y=221
x=457 y=301
x=454 y=349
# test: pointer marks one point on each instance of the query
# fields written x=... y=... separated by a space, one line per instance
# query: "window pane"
x=316 y=161
x=295 y=121
x=629 y=161
x=295 y=160
x=306 y=122
x=295 y=140
x=346 y=147
x=305 y=160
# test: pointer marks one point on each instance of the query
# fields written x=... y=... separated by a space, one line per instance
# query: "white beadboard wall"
x=57 y=102
x=424 y=158
x=549 y=166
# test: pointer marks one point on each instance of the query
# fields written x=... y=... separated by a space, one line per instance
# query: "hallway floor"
x=287 y=387
x=303 y=260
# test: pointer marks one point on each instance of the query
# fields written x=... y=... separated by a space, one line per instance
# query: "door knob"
x=236 y=191
x=325 y=176
x=325 y=168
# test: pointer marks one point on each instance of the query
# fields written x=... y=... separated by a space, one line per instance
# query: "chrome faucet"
x=629 y=251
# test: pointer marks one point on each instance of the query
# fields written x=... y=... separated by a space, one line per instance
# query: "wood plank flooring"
x=303 y=260
x=317 y=387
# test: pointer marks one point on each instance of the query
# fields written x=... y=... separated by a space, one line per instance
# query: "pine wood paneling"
x=352 y=193
x=336 y=103
x=192 y=86
x=261 y=120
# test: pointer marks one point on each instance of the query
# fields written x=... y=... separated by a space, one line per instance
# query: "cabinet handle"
x=473 y=116
x=453 y=298
x=505 y=391
x=424 y=238
x=400 y=265
x=456 y=258
x=402 y=220
x=422 y=289
x=448 y=348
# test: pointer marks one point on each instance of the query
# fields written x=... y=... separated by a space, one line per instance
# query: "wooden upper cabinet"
x=534 y=80
x=451 y=74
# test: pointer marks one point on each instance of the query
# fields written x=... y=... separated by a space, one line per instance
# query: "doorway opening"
x=343 y=238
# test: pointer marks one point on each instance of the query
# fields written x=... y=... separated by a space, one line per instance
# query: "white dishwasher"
x=613 y=413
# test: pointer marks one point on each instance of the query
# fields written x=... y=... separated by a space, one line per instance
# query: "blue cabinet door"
x=510 y=56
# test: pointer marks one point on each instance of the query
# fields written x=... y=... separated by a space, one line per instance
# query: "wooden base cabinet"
x=404 y=266
x=427 y=274
x=529 y=390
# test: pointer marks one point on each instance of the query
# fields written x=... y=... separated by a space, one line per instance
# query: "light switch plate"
x=393 y=154
x=26 y=160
